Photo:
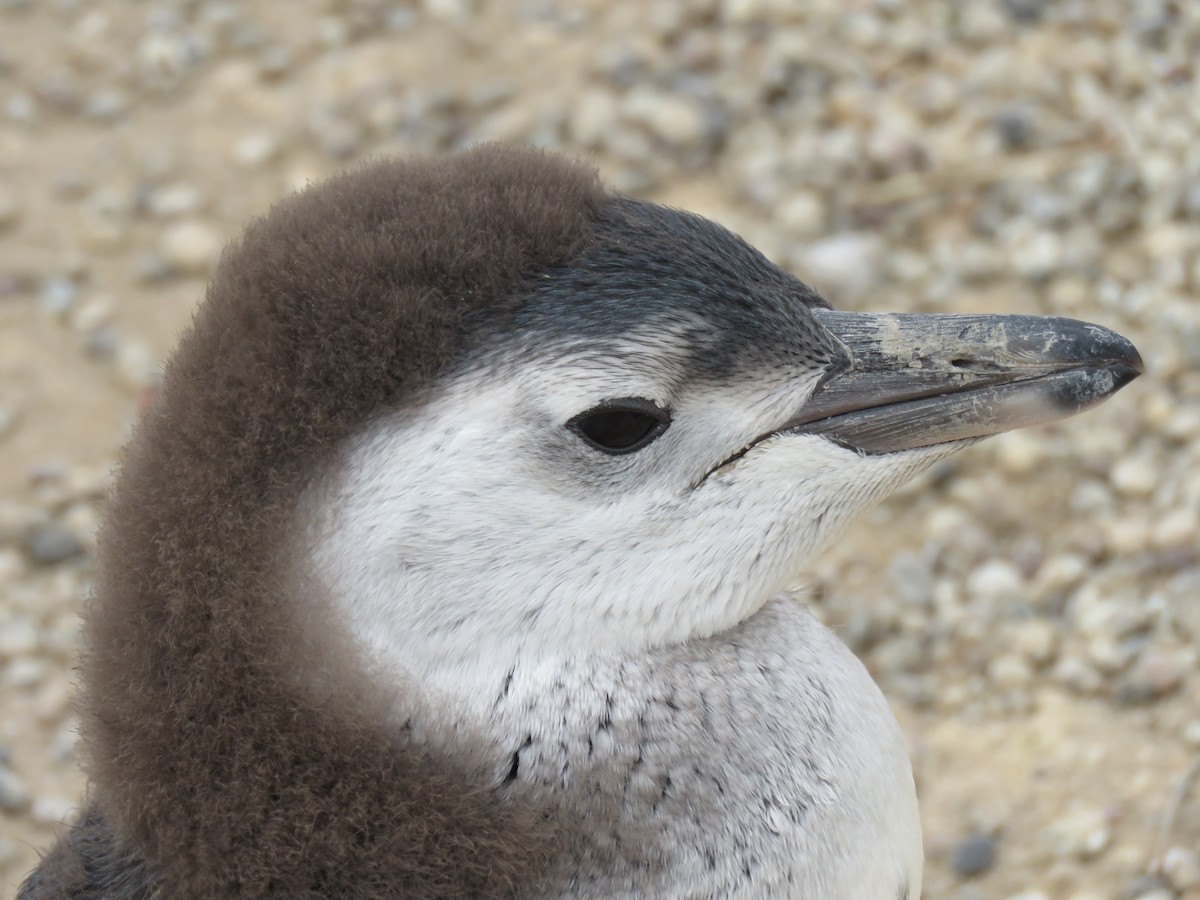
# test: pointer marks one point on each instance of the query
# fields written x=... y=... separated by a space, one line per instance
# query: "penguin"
x=452 y=558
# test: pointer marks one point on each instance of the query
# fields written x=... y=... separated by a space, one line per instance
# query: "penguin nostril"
x=967 y=364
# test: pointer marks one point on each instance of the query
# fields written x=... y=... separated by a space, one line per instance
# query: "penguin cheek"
x=801 y=490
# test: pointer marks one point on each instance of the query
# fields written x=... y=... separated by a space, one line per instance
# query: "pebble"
x=1178 y=528
x=174 y=200
x=845 y=266
x=66 y=737
x=1083 y=834
x=676 y=120
x=1009 y=672
x=106 y=105
x=10 y=213
x=803 y=214
x=9 y=851
x=1148 y=887
x=1019 y=452
x=256 y=150
x=1181 y=868
x=8 y=421
x=18 y=637
x=1078 y=675
x=51 y=810
x=190 y=246
x=973 y=855
x=14 y=795
x=1135 y=476
x=105 y=216
x=57 y=296
x=24 y=672
x=1036 y=640
x=52 y=701
x=50 y=544
x=995 y=580
x=1156 y=674
x=593 y=117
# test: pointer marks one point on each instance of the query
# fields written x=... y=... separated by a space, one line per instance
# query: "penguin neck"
x=485 y=680
x=511 y=695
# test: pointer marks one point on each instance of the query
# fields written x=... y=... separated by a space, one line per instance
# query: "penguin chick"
x=451 y=559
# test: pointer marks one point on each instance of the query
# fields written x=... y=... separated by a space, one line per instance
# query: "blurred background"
x=1031 y=608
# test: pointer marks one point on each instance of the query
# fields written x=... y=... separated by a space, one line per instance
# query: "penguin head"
x=654 y=443
x=609 y=469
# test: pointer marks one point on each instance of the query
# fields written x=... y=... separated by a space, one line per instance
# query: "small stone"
x=1009 y=672
x=106 y=105
x=8 y=420
x=1148 y=887
x=1015 y=126
x=995 y=579
x=1155 y=675
x=255 y=150
x=17 y=637
x=8 y=852
x=274 y=61
x=62 y=748
x=1135 y=476
x=973 y=855
x=1077 y=675
x=675 y=119
x=14 y=795
x=803 y=214
x=1181 y=868
x=91 y=315
x=190 y=246
x=102 y=342
x=136 y=365
x=449 y=10
x=844 y=265
x=25 y=672
x=1178 y=528
x=1083 y=834
x=173 y=200
x=57 y=296
x=52 y=701
x=1025 y=12
x=20 y=107
x=903 y=653
x=10 y=213
x=51 y=810
x=105 y=214
x=1109 y=654
x=1090 y=497
x=1018 y=452
x=50 y=544
x=1036 y=640
x=592 y=118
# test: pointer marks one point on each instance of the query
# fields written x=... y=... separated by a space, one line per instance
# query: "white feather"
x=520 y=576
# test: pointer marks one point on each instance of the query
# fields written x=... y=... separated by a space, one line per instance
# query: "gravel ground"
x=1031 y=608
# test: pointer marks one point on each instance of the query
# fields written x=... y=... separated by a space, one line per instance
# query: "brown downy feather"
x=212 y=773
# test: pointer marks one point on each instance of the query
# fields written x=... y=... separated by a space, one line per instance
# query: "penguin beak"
x=910 y=381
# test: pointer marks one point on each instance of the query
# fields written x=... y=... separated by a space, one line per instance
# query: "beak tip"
x=1123 y=373
x=1122 y=358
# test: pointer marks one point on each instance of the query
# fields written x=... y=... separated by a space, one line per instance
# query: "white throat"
x=459 y=542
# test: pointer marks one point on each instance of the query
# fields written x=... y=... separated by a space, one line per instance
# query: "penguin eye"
x=621 y=426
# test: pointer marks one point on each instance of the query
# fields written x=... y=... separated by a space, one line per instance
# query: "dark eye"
x=621 y=426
